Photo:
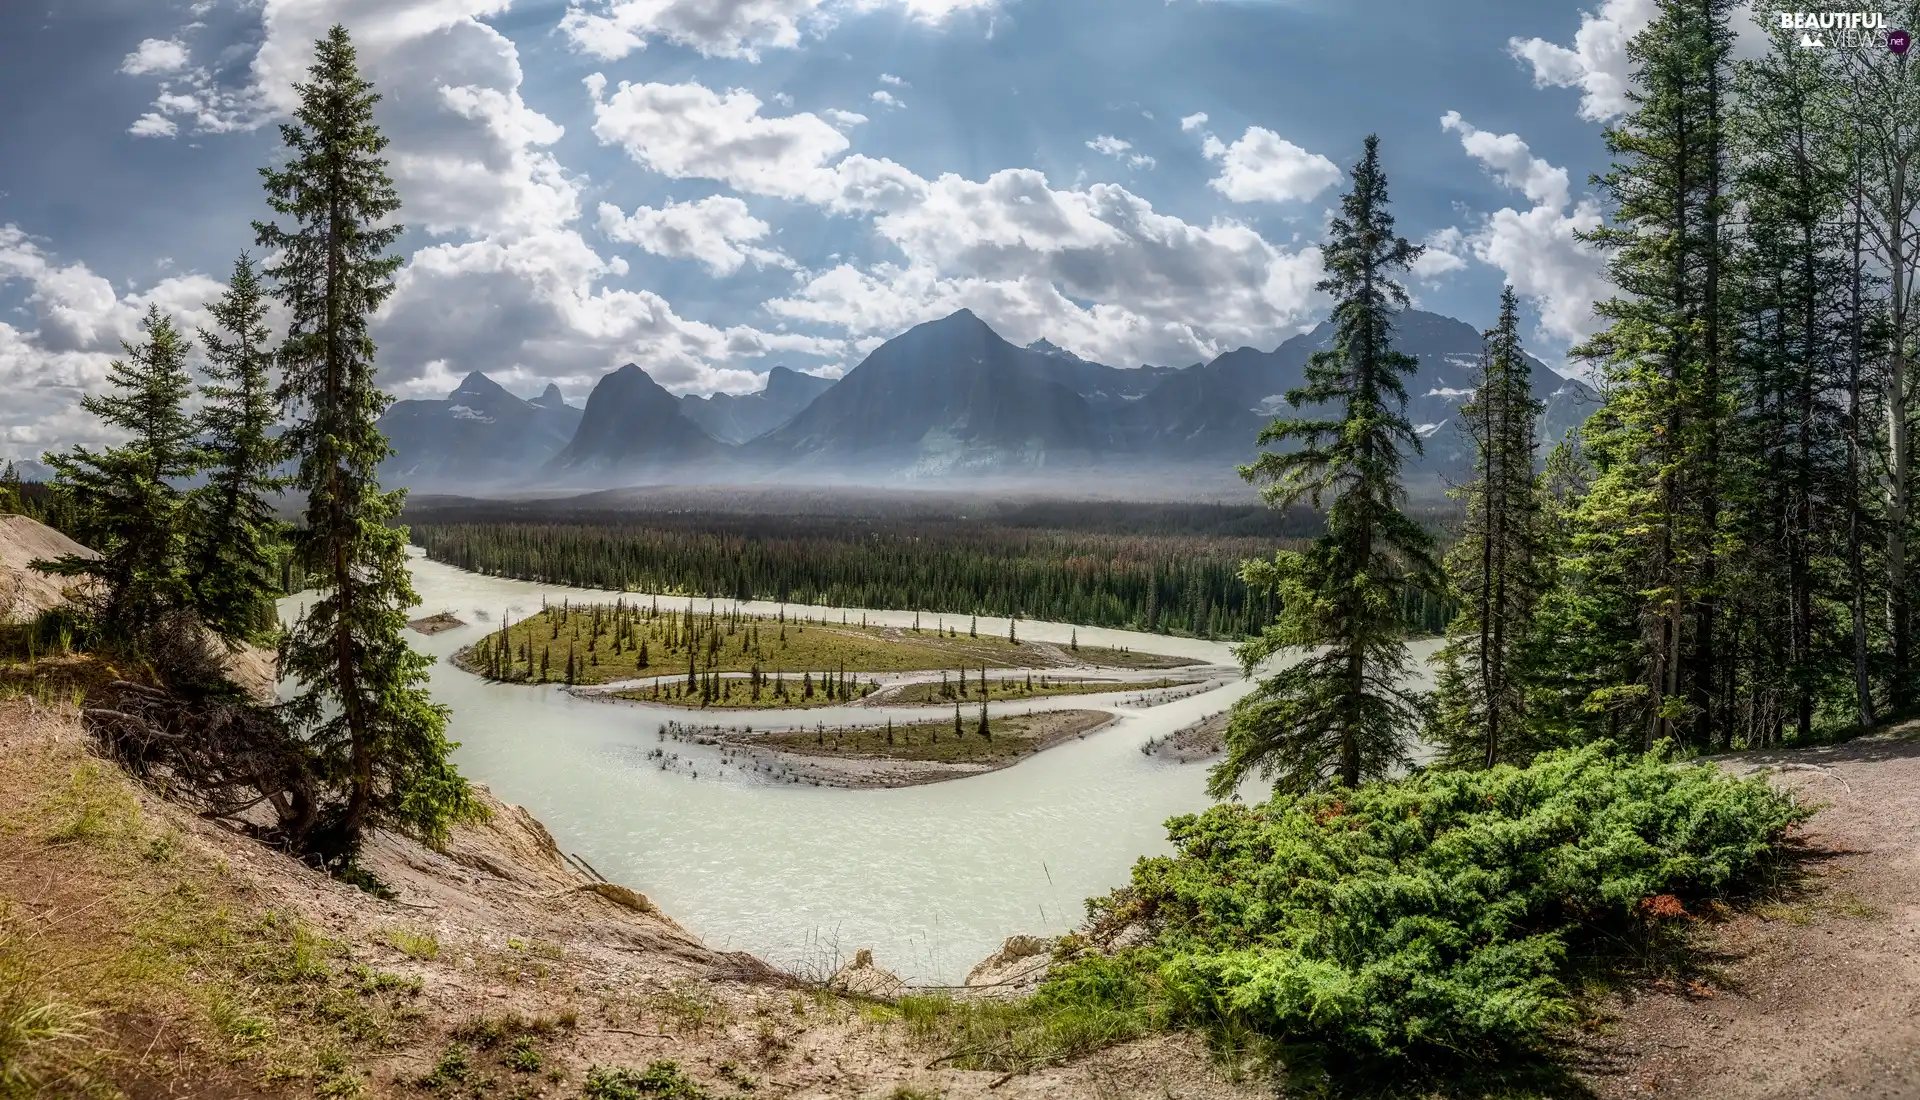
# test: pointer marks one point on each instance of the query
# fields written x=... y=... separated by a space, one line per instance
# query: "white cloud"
x=887 y=99
x=1264 y=167
x=1141 y=160
x=1445 y=254
x=687 y=131
x=153 y=124
x=1109 y=146
x=1022 y=253
x=1597 y=63
x=612 y=29
x=1537 y=248
x=512 y=288
x=844 y=119
x=1194 y=121
x=79 y=322
x=889 y=78
x=716 y=231
x=1511 y=161
x=156 y=55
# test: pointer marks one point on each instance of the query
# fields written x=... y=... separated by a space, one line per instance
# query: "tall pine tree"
x=1344 y=712
x=1496 y=566
x=235 y=532
x=1651 y=521
x=127 y=501
x=363 y=701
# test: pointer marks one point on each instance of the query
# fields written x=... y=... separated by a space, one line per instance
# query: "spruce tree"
x=1653 y=511
x=235 y=532
x=362 y=699
x=1495 y=567
x=1343 y=713
x=127 y=504
x=1792 y=276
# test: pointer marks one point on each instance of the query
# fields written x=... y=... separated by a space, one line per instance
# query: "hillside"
x=169 y=957
x=25 y=592
x=736 y=418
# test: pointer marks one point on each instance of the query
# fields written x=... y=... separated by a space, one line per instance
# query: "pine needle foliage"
x=363 y=702
x=126 y=500
x=1496 y=566
x=1439 y=918
x=1343 y=713
x=235 y=535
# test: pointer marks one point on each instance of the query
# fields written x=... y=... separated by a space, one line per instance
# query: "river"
x=932 y=878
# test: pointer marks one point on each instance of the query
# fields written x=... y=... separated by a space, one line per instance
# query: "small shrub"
x=414 y=945
x=659 y=1081
x=1438 y=917
x=449 y=1071
x=523 y=1056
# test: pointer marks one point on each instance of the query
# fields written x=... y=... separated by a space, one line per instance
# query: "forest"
x=1161 y=582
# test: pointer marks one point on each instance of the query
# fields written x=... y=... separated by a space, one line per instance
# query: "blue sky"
x=711 y=187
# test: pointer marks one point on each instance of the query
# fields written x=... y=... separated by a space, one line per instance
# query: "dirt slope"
x=203 y=964
x=25 y=593
x=1818 y=996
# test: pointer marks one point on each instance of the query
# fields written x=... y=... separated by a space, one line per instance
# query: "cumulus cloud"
x=78 y=325
x=1537 y=248
x=1109 y=146
x=512 y=287
x=689 y=131
x=612 y=29
x=1194 y=121
x=716 y=231
x=887 y=99
x=1597 y=62
x=889 y=78
x=1024 y=254
x=1264 y=167
x=156 y=55
x=153 y=124
x=1446 y=252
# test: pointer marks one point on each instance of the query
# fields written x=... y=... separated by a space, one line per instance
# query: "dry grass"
x=128 y=951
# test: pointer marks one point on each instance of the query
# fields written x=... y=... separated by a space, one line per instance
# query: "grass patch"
x=1030 y=687
x=1008 y=738
x=659 y=1081
x=133 y=922
x=622 y=642
x=422 y=946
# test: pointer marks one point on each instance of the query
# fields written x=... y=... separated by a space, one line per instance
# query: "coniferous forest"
x=1163 y=583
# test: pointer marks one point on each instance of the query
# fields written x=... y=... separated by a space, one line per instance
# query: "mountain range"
x=946 y=400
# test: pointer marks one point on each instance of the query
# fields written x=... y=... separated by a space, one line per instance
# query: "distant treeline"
x=1103 y=574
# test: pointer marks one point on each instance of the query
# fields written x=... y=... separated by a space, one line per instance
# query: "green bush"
x=1438 y=916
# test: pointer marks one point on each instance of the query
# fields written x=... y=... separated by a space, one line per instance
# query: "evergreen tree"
x=363 y=703
x=1343 y=713
x=1884 y=117
x=235 y=532
x=1495 y=567
x=1654 y=510
x=1795 y=334
x=126 y=499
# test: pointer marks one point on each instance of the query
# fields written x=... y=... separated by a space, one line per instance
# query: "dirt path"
x=1818 y=996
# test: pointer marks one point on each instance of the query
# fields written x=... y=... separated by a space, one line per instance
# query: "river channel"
x=932 y=878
